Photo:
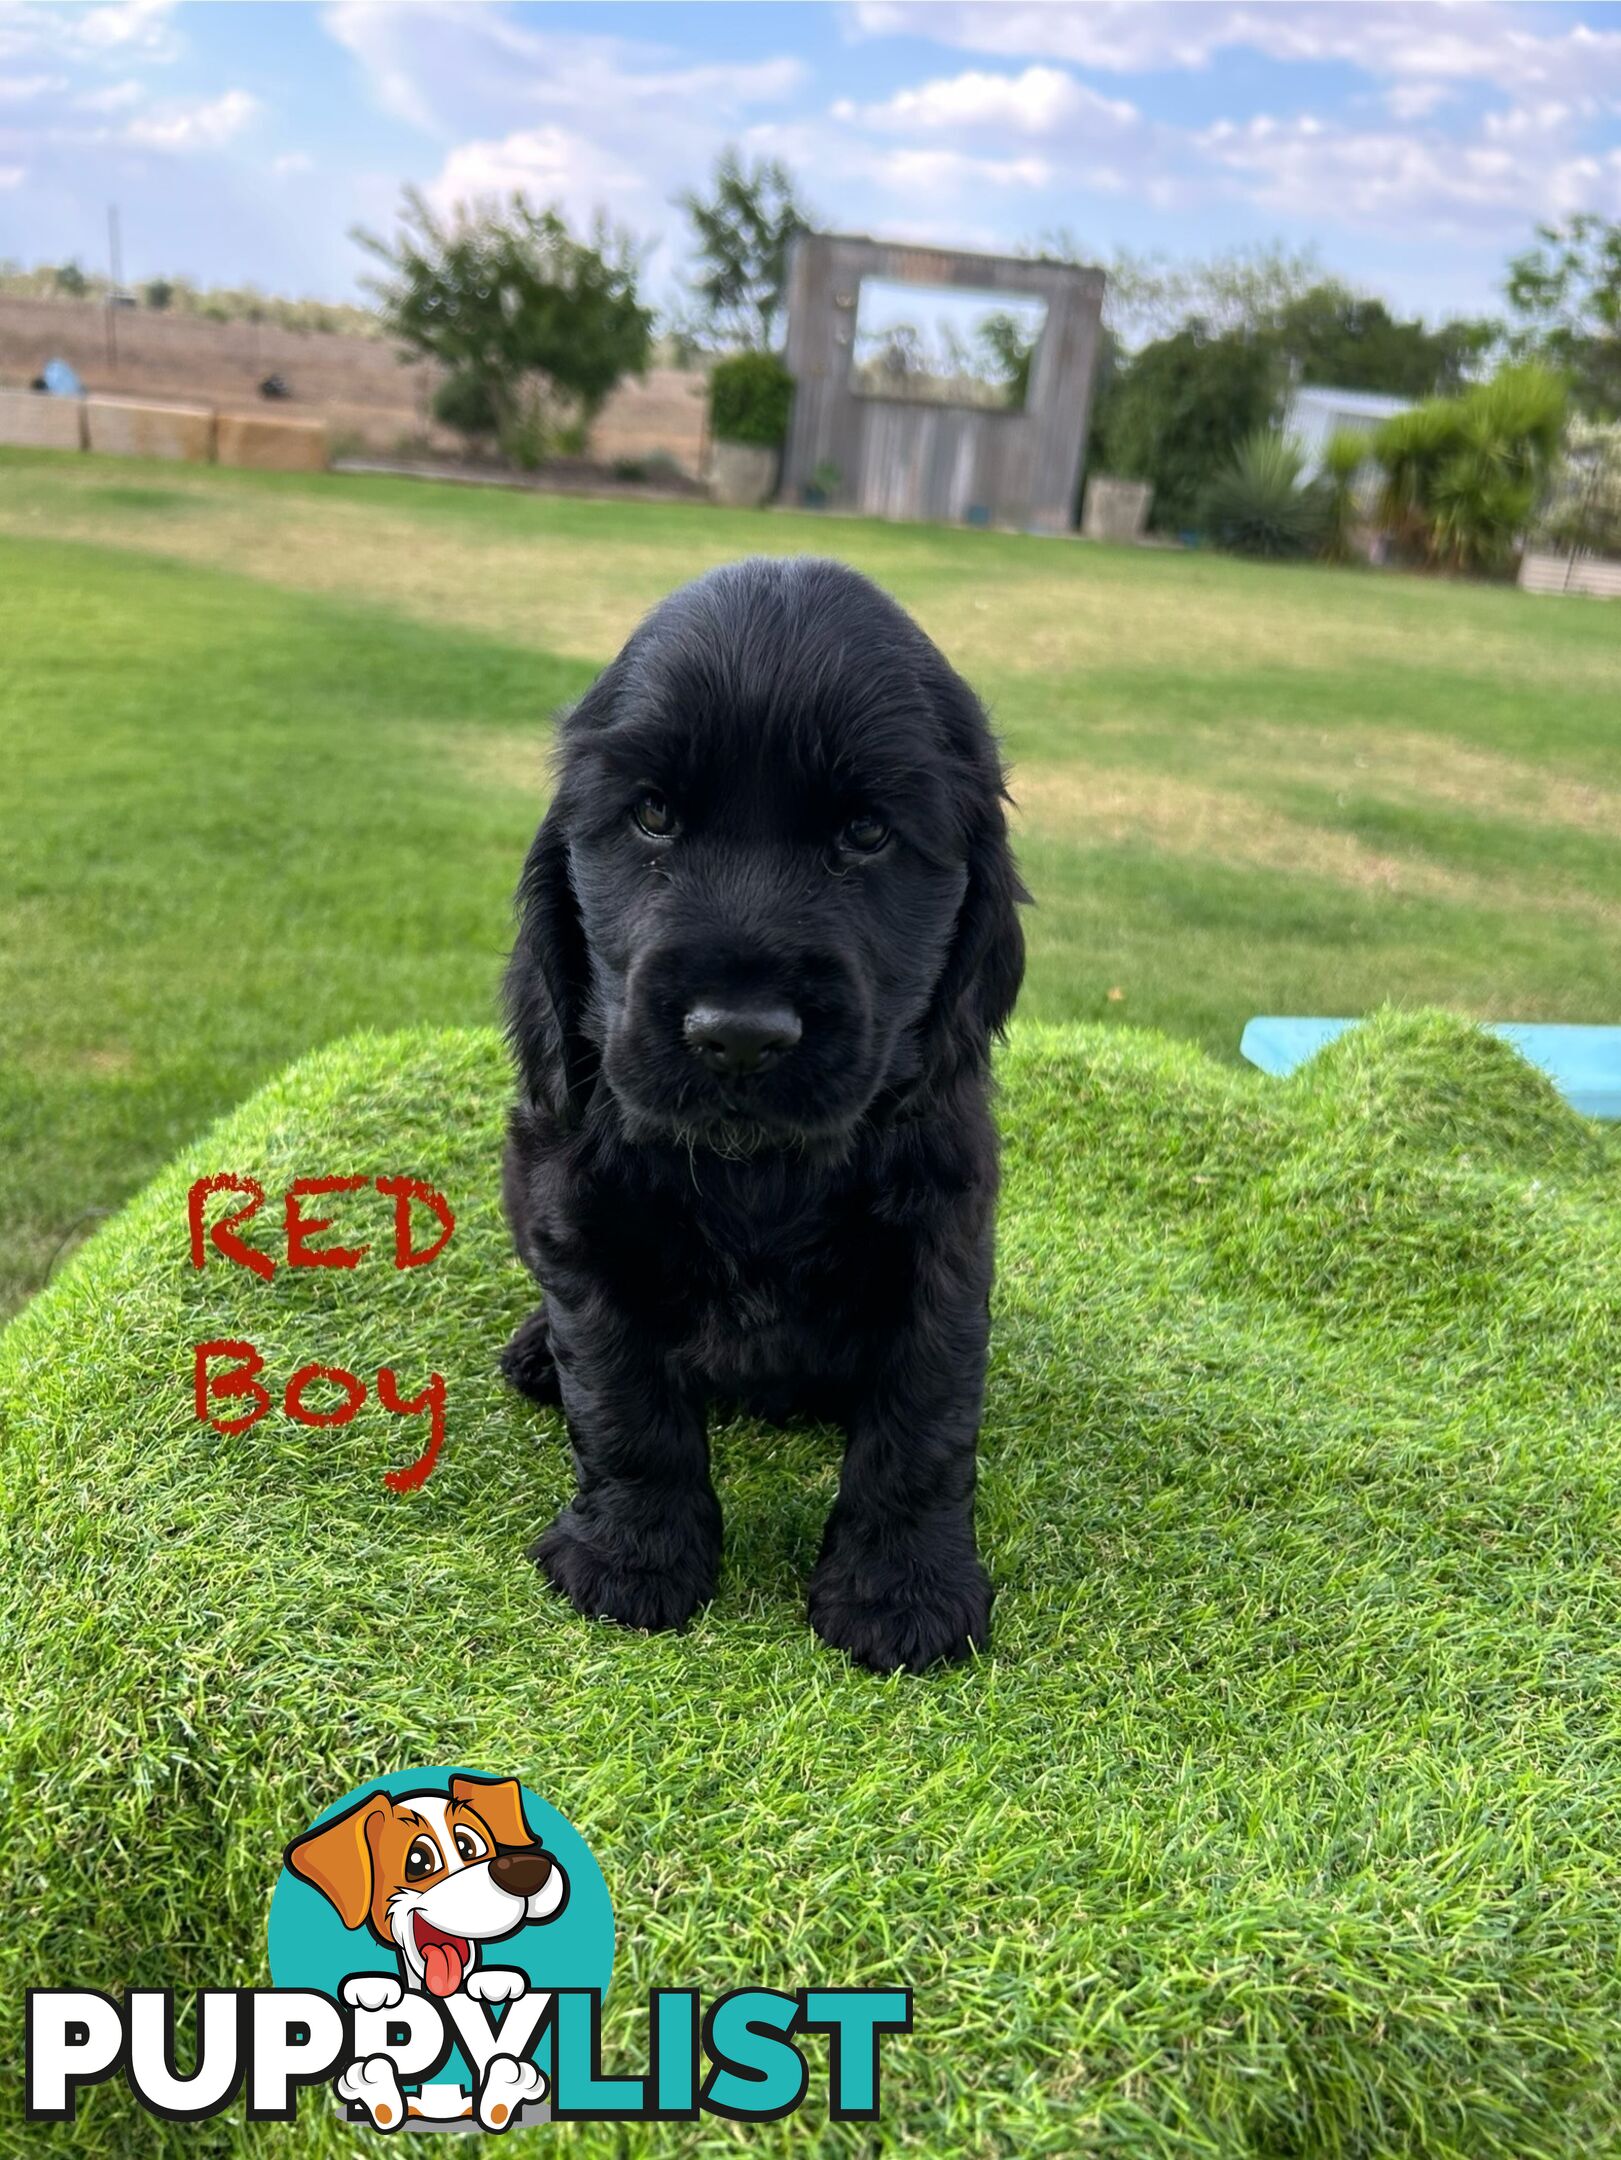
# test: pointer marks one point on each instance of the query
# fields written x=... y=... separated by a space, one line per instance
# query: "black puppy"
x=767 y=931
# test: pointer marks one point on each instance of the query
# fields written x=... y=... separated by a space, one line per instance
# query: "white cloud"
x=1039 y=102
x=1525 y=123
x=1495 y=173
x=442 y=68
x=11 y=176
x=1516 y=168
x=370 y=34
x=291 y=162
x=132 y=26
x=22 y=89
x=116 y=97
x=124 y=31
x=1119 y=37
x=1514 y=48
x=930 y=173
x=206 y=126
x=1416 y=100
x=548 y=164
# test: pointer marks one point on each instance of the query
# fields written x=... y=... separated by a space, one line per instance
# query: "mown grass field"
x=270 y=750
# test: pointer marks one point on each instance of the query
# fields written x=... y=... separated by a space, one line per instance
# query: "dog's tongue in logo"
x=444 y=1957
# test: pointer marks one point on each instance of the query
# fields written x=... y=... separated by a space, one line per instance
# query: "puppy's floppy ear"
x=548 y=978
x=984 y=967
x=500 y=1802
x=337 y=1858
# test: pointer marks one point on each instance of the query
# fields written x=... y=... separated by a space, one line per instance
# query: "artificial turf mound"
x=1281 y=1818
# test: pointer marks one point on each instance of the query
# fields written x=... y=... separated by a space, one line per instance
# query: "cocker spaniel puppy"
x=768 y=930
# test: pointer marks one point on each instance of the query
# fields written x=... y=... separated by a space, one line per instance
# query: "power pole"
x=115 y=259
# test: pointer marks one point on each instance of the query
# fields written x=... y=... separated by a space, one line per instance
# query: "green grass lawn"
x=271 y=748
x=1281 y=1818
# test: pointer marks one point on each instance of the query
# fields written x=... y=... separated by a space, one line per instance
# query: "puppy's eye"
x=422 y=1859
x=654 y=817
x=864 y=836
x=469 y=1845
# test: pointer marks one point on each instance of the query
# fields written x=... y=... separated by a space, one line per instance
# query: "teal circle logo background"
x=311 y=1948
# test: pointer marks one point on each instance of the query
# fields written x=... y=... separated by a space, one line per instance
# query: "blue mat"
x=1584 y=1063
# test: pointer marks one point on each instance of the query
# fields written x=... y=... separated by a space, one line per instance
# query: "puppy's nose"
x=736 y=1043
x=521 y=1873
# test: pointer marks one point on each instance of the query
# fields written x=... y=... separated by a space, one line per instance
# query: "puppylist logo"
x=440 y=1946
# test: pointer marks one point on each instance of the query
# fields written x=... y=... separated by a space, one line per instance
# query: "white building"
x=1314 y=414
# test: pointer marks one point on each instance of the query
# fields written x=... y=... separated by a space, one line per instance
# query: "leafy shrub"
x=1173 y=412
x=463 y=402
x=1463 y=475
x=1258 y=505
x=749 y=399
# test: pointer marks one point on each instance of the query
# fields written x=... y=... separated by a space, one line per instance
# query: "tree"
x=1176 y=412
x=1010 y=349
x=71 y=281
x=901 y=357
x=1566 y=299
x=1150 y=296
x=1585 y=511
x=1329 y=334
x=529 y=322
x=158 y=292
x=744 y=230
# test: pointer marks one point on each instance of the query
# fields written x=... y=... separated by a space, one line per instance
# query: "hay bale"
x=29 y=420
x=271 y=445
x=129 y=427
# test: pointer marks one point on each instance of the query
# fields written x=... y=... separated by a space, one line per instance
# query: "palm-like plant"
x=1257 y=506
x=1462 y=475
x=1345 y=456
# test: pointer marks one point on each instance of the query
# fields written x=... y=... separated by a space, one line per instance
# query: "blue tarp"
x=1584 y=1063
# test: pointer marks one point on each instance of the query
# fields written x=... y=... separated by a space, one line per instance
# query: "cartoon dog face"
x=433 y=1875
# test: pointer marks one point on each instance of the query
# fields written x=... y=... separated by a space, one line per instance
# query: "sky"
x=1412 y=147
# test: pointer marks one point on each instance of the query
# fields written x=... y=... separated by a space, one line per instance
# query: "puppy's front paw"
x=642 y=1583
x=495 y=1984
x=527 y=1362
x=372 y=1991
x=373 y=2086
x=508 y=2087
x=900 y=1610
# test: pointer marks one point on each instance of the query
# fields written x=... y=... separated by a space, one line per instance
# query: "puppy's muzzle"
x=735 y=1043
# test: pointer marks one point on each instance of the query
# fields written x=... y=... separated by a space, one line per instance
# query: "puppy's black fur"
x=779 y=800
